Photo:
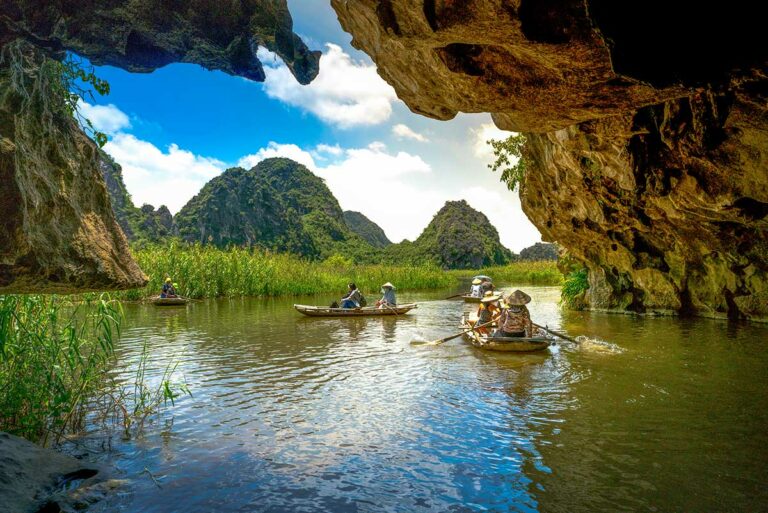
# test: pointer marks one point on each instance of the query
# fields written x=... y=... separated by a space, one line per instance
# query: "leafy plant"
x=75 y=81
x=575 y=285
x=510 y=159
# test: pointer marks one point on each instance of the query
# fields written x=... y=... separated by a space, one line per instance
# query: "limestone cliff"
x=648 y=130
x=58 y=231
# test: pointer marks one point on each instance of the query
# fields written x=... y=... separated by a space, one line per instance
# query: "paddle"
x=557 y=334
x=446 y=339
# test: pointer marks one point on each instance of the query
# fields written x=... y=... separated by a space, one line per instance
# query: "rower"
x=487 y=312
x=515 y=320
x=388 y=298
x=477 y=289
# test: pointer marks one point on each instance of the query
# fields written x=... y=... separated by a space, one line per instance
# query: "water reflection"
x=298 y=414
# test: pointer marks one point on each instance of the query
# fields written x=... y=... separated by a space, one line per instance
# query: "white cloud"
x=346 y=93
x=160 y=177
x=331 y=150
x=481 y=135
x=105 y=118
x=405 y=132
x=274 y=149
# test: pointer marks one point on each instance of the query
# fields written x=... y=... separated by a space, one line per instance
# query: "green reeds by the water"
x=55 y=354
x=520 y=273
x=205 y=271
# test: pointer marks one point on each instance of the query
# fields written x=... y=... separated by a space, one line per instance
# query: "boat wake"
x=596 y=345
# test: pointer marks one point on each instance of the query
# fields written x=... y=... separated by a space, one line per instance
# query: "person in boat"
x=486 y=286
x=353 y=297
x=168 y=289
x=388 y=298
x=515 y=320
x=477 y=289
x=487 y=312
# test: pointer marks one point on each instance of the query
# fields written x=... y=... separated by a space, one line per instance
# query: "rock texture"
x=647 y=128
x=58 y=231
x=33 y=479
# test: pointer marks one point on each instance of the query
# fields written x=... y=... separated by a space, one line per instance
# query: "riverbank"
x=208 y=272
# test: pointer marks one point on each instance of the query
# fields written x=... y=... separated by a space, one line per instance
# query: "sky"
x=176 y=128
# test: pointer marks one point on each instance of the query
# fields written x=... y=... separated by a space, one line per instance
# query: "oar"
x=446 y=339
x=557 y=334
x=457 y=295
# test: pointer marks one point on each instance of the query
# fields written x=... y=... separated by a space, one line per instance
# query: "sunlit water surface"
x=292 y=414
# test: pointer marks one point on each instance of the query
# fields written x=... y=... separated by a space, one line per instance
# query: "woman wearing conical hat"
x=487 y=312
x=388 y=296
x=515 y=320
x=477 y=288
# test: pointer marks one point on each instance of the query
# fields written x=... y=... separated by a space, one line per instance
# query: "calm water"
x=292 y=414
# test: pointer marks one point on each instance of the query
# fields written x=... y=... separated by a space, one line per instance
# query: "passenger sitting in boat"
x=487 y=312
x=515 y=320
x=477 y=289
x=353 y=297
x=388 y=298
x=168 y=289
x=486 y=286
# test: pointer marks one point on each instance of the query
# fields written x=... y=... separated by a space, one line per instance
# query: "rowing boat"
x=169 y=301
x=471 y=299
x=505 y=344
x=323 y=311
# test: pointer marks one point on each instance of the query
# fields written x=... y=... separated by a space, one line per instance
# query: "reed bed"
x=523 y=273
x=205 y=271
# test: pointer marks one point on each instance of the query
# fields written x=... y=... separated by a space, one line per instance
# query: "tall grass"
x=55 y=355
x=524 y=273
x=205 y=271
x=52 y=356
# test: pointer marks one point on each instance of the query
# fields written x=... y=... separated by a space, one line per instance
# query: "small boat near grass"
x=539 y=342
x=324 y=311
x=169 y=301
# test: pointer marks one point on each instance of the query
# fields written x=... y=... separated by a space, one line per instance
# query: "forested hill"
x=367 y=229
x=279 y=204
x=138 y=224
x=458 y=237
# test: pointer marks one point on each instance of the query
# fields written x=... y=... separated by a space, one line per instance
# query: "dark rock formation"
x=33 y=479
x=143 y=35
x=458 y=237
x=58 y=231
x=647 y=127
x=367 y=229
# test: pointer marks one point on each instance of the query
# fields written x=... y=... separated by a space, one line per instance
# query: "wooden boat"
x=169 y=301
x=324 y=311
x=505 y=344
x=471 y=299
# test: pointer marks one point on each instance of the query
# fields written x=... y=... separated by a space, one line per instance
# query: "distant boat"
x=169 y=301
x=324 y=311
x=505 y=344
x=471 y=299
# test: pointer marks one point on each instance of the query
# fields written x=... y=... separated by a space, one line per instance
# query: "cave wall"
x=58 y=231
x=646 y=124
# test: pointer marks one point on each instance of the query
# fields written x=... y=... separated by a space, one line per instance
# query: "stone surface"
x=33 y=479
x=58 y=232
x=143 y=35
x=668 y=206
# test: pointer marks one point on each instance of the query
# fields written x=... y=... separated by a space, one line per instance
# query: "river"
x=292 y=414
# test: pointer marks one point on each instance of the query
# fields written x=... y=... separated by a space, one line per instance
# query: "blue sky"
x=176 y=128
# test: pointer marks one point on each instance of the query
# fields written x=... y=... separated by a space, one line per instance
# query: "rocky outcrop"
x=668 y=206
x=58 y=231
x=33 y=479
x=647 y=129
x=143 y=35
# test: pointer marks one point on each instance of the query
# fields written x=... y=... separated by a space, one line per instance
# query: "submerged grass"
x=205 y=271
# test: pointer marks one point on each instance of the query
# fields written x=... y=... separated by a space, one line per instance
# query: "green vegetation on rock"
x=540 y=251
x=366 y=229
x=458 y=237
